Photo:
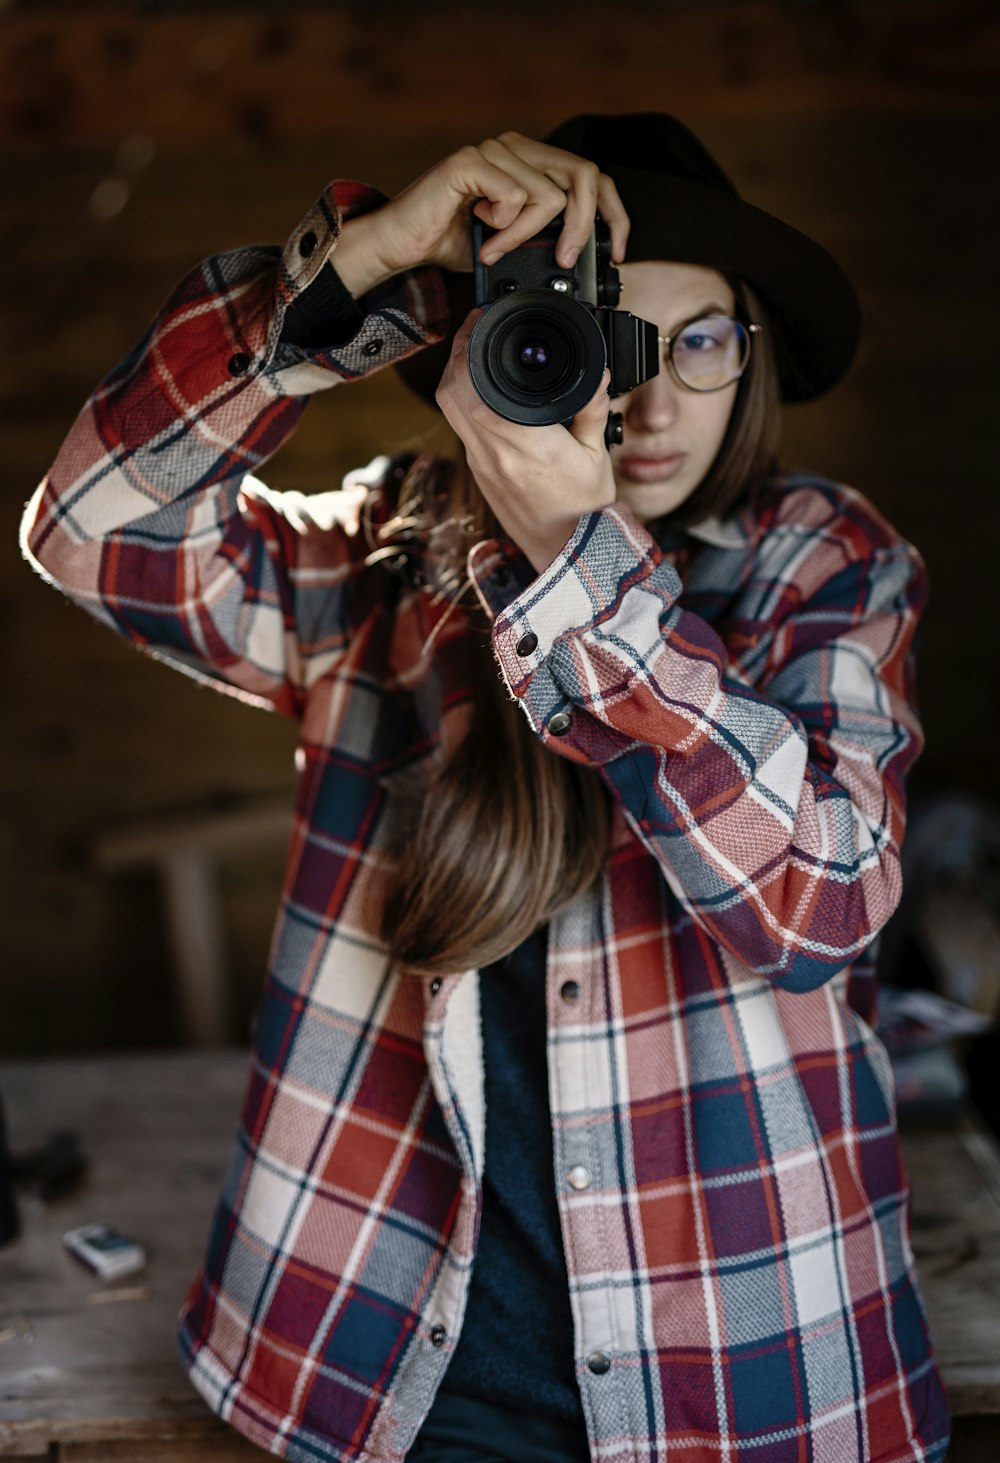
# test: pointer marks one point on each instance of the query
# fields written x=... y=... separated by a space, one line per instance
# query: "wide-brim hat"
x=684 y=209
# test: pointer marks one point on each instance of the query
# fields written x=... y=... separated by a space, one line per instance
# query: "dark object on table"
x=10 y=1224
x=54 y=1170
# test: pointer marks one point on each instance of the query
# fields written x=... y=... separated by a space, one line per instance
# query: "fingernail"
x=570 y=255
x=490 y=258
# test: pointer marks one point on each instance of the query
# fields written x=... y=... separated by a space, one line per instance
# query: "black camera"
x=537 y=354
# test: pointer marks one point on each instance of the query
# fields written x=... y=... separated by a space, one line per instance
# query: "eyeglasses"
x=708 y=353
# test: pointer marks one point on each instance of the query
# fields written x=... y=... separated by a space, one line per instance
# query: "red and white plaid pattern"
x=739 y=1247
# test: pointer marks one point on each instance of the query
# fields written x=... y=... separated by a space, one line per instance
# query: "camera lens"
x=536 y=357
x=533 y=358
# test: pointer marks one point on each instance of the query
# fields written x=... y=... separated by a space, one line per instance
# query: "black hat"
x=683 y=208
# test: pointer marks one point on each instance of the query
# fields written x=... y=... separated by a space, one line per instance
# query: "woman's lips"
x=649 y=469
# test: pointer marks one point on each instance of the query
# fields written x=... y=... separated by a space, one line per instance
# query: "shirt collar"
x=721 y=533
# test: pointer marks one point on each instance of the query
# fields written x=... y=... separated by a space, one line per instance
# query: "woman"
x=566 y=1134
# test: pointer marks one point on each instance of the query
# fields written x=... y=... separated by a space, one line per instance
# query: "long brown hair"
x=748 y=455
x=507 y=833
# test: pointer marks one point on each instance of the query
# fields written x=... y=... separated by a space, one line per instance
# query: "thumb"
x=589 y=424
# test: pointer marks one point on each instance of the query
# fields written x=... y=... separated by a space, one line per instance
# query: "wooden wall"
x=137 y=138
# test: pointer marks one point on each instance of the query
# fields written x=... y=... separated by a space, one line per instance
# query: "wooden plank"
x=182 y=850
x=82 y=1360
x=956 y=1243
x=24 y=1446
x=198 y=938
x=221 y=1445
x=267 y=820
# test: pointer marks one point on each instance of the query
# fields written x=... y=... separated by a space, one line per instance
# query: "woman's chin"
x=653 y=499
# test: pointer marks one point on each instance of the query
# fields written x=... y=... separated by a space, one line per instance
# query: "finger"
x=612 y=211
x=500 y=195
x=455 y=387
x=588 y=425
x=576 y=175
x=544 y=199
x=578 y=180
x=581 y=206
x=498 y=213
x=530 y=221
x=460 y=341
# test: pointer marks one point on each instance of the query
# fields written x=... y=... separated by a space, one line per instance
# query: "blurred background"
x=143 y=818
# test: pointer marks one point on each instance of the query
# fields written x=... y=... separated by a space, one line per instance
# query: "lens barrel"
x=536 y=357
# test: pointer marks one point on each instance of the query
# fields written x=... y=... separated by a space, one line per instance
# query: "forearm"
x=358 y=261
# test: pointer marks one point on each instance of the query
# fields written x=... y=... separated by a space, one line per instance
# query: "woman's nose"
x=654 y=405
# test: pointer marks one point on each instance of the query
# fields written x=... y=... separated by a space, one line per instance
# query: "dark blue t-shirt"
x=516 y=1346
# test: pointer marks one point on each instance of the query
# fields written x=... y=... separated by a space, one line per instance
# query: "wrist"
x=541 y=543
x=357 y=259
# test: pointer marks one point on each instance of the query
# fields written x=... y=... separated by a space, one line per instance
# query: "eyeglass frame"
x=667 y=341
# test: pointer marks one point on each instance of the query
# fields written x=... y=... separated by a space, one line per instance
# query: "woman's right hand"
x=511 y=182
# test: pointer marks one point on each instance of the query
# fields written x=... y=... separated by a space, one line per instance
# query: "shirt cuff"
x=589 y=590
x=324 y=315
x=392 y=322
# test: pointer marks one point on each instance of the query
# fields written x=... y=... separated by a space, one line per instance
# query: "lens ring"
x=577 y=357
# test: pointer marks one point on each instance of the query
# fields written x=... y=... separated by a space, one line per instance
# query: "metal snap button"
x=240 y=363
x=570 y=991
x=560 y=723
x=527 y=643
x=435 y=985
x=307 y=244
x=372 y=347
x=439 y=1336
x=578 y=1177
x=599 y=1362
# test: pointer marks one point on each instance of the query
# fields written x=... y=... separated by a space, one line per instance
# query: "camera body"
x=538 y=352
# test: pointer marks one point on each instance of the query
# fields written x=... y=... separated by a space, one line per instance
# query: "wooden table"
x=87 y=1366
x=88 y=1370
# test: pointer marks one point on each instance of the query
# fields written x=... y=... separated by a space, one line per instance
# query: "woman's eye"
x=699 y=341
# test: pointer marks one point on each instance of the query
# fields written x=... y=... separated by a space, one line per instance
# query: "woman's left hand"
x=538 y=480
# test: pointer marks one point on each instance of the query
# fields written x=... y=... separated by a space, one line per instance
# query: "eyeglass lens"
x=709 y=353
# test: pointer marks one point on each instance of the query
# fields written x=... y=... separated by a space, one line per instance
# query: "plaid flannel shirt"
x=735 y=1221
